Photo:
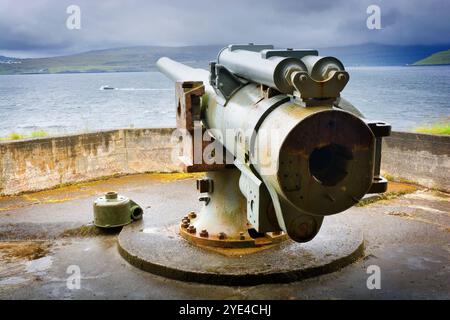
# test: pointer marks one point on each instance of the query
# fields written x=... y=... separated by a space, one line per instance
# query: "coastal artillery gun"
x=288 y=150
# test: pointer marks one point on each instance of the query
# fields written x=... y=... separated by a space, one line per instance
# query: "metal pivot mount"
x=222 y=220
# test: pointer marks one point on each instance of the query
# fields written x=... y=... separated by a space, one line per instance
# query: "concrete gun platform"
x=42 y=234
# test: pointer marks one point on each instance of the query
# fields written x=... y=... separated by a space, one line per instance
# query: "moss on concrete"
x=382 y=196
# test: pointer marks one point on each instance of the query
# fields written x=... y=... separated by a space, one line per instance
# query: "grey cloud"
x=39 y=26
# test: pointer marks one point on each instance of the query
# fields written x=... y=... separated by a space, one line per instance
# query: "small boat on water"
x=106 y=88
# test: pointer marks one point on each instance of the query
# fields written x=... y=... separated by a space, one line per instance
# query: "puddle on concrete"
x=39 y=265
x=152 y=230
x=12 y=281
x=419 y=263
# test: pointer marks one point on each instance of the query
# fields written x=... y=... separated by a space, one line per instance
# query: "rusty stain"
x=29 y=250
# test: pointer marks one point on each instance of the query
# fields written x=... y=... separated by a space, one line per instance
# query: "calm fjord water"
x=406 y=97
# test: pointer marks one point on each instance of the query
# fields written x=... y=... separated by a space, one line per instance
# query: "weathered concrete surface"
x=407 y=237
x=38 y=164
x=422 y=158
x=152 y=246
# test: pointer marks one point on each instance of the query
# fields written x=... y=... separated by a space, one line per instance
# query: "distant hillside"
x=4 y=59
x=442 y=57
x=143 y=58
x=381 y=55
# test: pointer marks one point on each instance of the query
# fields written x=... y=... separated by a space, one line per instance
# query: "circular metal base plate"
x=157 y=247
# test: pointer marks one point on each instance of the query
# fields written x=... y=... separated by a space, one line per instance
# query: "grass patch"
x=13 y=136
x=38 y=134
x=19 y=136
x=437 y=128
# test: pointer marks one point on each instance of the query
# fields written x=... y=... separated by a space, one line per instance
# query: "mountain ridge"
x=143 y=58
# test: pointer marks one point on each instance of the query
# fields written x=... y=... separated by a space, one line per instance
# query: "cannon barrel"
x=180 y=72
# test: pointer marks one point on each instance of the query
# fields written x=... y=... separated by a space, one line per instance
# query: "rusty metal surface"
x=328 y=172
x=188 y=95
x=243 y=240
x=188 y=110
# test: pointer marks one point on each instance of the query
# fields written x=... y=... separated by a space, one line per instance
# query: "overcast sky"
x=38 y=27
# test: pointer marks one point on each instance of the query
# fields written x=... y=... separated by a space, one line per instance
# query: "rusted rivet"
x=241 y=236
x=192 y=215
x=222 y=235
x=204 y=233
x=192 y=229
x=185 y=225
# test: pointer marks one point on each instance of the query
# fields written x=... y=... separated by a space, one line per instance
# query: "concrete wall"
x=37 y=164
x=422 y=158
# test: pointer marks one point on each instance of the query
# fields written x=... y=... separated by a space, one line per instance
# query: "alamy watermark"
x=373 y=21
x=73 y=21
x=73 y=282
x=374 y=280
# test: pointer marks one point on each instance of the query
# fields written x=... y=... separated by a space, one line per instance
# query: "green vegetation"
x=437 y=128
x=38 y=134
x=399 y=179
x=381 y=196
x=20 y=136
x=13 y=136
x=442 y=57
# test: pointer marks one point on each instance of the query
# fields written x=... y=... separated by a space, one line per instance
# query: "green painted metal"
x=114 y=210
